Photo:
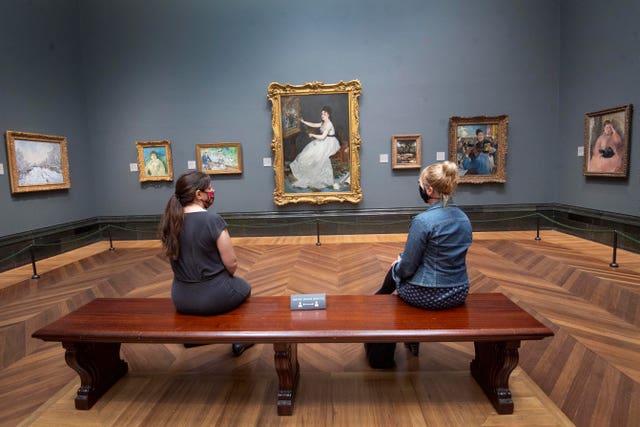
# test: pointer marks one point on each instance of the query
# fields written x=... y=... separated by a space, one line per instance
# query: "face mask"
x=209 y=202
x=423 y=194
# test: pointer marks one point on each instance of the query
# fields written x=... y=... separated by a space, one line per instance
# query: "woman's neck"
x=193 y=207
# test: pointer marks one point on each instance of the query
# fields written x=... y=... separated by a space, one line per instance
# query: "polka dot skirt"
x=433 y=298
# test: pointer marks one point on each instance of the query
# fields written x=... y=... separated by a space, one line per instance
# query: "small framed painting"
x=219 y=158
x=478 y=145
x=406 y=152
x=606 y=142
x=154 y=161
x=291 y=116
x=37 y=162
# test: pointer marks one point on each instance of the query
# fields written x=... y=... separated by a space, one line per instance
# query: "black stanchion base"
x=35 y=276
x=318 y=244
x=614 y=265
x=112 y=248
x=538 y=238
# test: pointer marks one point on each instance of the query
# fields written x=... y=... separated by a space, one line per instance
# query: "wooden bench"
x=93 y=333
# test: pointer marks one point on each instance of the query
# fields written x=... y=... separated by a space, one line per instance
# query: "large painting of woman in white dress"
x=316 y=160
x=313 y=167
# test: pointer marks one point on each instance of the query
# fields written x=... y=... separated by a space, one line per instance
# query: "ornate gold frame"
x=14 y=172
x=621 y=120
x=221 y=145
x=397 y=159
x=142 y=173
x=275 y=93
x=495 y=128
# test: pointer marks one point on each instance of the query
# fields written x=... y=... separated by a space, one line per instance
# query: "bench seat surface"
x=268 y=319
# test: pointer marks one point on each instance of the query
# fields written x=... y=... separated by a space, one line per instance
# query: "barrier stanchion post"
x=318 y=233
x=111 y=248
x=614 y=264
x=538 y=228
x=33 y=264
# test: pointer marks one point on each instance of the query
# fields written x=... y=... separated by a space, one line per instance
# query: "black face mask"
x=423 y=194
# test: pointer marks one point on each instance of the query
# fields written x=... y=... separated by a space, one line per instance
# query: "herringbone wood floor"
x=589 y=371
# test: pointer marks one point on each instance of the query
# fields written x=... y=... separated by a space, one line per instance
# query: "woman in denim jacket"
x=431 y=273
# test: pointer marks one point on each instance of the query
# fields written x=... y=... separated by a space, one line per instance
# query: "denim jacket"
x=436 y=249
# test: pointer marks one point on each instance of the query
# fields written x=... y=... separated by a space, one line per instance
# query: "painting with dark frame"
x=478 y=146
x=221 y=158
x=37 y=162
x=606 y=142
x=315 y=142
x=154 y=161
x=406 y=151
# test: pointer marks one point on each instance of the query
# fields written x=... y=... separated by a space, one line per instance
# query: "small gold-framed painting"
x=606 y=142
x=316 y=142
x=219 y=158
x=406 y=151
x=478 y=145
x=37 y=162
x=154 y=161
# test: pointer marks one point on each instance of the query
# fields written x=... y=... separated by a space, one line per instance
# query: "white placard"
x=1 y=169
x=191 y=164
x=440 y=156
x=384 y=158
x=266 y=162
x=581 y=151
x=133 y=167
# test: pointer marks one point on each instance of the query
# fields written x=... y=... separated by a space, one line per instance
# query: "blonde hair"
x=443 y=177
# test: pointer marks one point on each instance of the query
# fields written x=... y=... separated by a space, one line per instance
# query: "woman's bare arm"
x=227 y=254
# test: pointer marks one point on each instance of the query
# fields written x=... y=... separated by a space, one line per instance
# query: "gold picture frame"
x=606 y=142
x=323 y=182
x=406 y=151
x=220 y=158
x=37 y=162
x=478 y=145
x=154 y=161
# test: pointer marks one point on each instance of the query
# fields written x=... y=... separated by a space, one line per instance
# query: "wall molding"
x=582 y=222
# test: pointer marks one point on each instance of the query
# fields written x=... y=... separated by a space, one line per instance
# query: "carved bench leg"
x=99 y=366
x=286 y=359
x=491 y=368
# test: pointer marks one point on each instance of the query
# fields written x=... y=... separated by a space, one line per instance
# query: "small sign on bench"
x=309 y=302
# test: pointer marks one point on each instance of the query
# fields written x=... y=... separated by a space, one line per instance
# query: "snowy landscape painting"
x=37 y=162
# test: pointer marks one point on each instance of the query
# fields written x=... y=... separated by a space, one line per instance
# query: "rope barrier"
x=508 y=219
x=317 y=222
x=117 y=227
x=626 y=236
x=26 y=248
x=68 y=241
x=574 y=228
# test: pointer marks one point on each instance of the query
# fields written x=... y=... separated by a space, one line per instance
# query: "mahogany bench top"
x=268 y=319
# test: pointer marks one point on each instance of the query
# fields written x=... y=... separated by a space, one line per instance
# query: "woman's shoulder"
x=216 y=218
x=203 y=215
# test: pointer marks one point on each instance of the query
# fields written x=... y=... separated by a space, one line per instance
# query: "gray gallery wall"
x=600 y=69
x=41 y=91
x=197 y=72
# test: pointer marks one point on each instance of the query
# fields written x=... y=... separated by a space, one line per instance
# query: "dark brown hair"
x=171 y=222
